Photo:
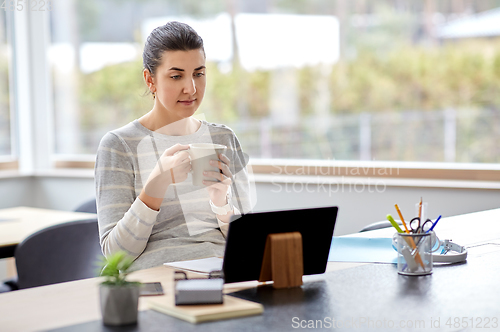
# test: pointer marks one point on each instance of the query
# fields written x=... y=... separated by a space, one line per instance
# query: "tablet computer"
x=247 y=236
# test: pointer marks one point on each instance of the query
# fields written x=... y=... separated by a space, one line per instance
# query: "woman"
x=146 y=203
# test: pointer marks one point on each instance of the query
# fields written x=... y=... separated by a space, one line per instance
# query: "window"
x=5 y=55
x=386 y=80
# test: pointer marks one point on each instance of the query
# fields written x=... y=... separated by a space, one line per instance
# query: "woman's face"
x=179 y=82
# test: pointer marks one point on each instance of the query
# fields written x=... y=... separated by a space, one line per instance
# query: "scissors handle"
x=412 y=225
x=426 y=225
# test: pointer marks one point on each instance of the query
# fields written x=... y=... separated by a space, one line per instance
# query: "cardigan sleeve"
x=125 y=222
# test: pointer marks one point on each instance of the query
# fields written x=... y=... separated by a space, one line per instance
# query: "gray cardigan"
x=185 y=227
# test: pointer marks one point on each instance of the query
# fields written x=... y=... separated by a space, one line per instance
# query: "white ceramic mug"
x=201 y=154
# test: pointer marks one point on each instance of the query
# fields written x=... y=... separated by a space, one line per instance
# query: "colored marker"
x=394 y=223
x=434 y=224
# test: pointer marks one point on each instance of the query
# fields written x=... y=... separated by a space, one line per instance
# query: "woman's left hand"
x=218 y=190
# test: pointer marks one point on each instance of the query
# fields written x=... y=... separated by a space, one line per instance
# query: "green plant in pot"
x=119 y=297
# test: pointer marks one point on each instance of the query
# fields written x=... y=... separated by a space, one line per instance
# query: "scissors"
x=417 y=228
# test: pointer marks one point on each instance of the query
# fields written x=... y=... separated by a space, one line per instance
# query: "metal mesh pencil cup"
x=414 y=253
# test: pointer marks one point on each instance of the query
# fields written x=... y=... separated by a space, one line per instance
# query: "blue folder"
x=362 y=250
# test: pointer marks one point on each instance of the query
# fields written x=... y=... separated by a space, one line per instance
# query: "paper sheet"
x=362 y=250
x=204 y=265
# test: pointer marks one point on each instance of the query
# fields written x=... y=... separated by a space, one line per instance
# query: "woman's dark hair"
x=173 y=36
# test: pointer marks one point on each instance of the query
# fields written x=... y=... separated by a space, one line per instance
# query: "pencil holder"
x=414 y=253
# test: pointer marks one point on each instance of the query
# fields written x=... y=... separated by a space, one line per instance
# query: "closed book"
x=232 y=307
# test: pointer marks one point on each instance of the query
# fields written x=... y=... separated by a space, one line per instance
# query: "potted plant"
x=119 y=297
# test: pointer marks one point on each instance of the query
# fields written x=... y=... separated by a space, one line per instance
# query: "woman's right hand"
x=172 y=167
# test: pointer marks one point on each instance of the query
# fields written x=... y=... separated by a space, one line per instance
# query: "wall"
x=16 y=191
x=62 y=193
x=358 y=206
x=358 y=209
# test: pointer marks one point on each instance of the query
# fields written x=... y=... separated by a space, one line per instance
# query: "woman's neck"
x=171 y=127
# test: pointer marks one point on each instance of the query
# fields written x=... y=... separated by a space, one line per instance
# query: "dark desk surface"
x=364 y=297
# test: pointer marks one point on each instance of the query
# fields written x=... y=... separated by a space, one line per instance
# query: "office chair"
x=378 y=225
x=59 y=253
x=89 y=206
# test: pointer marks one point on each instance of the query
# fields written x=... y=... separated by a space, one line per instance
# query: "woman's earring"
x=153 y=95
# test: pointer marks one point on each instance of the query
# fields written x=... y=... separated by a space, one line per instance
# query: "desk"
x=354 y=295
x=18 y=223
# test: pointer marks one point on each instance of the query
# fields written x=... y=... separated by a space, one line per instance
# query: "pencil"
x=402 y=219
x=420 y=210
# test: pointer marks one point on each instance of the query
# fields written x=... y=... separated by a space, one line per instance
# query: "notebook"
x=231 y=308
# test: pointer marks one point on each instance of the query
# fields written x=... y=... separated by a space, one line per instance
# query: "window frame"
x=30 y=92
x=300 y=168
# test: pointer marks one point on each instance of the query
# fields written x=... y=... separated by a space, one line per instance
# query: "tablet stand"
x=283 y=262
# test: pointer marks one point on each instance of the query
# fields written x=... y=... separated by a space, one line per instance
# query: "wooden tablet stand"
x=283 y=262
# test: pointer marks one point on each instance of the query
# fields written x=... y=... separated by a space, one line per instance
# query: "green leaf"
x=114 y=268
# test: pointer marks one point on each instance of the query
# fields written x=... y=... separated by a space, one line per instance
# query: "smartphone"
x=151 y=288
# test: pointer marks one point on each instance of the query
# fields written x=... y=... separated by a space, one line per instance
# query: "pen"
x=434 y=224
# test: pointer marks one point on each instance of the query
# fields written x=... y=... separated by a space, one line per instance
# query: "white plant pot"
x=119 y=304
